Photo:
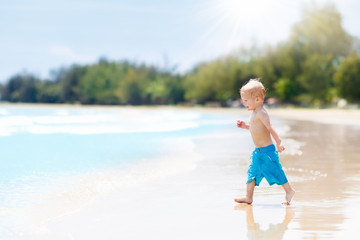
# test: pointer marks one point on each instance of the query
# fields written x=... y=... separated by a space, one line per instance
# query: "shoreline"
x=325 y=116
x=197 y=202
x=303 y=114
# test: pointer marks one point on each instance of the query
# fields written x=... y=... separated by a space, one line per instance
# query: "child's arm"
x=266 y=121
x=280 y=147
x=242 y=124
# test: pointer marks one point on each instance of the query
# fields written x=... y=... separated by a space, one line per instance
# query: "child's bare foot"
x=244 y=200
x=289 y=195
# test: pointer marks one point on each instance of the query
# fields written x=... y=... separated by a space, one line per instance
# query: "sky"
x=38 y=36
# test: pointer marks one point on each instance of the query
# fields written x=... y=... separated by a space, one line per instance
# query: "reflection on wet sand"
x=325 y=175
x=322 y=163
x=275 y=231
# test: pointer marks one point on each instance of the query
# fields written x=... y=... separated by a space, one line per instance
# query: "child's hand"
x=280 y=147
x=240 y=124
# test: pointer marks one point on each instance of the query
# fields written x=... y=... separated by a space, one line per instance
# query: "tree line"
x=318 y=64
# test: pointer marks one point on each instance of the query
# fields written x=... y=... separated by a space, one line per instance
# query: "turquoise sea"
x=43 y=145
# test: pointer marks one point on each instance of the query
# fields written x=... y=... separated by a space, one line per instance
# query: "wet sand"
x=326 y=175
x=322 y=162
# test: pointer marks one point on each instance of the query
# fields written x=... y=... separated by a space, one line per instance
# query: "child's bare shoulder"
x=263 y=113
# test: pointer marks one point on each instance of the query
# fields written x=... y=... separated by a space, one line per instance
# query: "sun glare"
x=241 y=21
x=241 y=10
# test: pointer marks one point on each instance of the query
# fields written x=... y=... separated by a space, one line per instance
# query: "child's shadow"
x=275 y=231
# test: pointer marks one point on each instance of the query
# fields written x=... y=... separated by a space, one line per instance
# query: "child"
x=265 y=159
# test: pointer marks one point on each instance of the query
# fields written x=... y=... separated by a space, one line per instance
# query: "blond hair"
x=254 y=87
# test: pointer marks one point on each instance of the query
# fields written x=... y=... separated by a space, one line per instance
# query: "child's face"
x=251 y=103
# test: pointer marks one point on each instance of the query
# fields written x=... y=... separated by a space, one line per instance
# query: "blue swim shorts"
x=264 y=162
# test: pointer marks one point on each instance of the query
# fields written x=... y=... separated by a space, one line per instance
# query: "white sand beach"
x=321 y=162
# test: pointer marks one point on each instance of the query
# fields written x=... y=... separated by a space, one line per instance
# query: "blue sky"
x=40 y=35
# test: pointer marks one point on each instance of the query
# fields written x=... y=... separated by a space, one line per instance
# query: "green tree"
x=263 y=67
x=316 y=78
x=130 y=88
x=70 y=83
x=214 y=81
x=286 y=89
x=49 y=92
x=99 y=83
x=176 y=91
x=347 y=79
x=317 y=43
x=320 y=31
x=21 y=88
x=157 y=90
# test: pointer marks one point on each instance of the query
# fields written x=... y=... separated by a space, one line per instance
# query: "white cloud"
x=69 y=55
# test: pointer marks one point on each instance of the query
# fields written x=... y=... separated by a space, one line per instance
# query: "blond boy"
x=265 y=159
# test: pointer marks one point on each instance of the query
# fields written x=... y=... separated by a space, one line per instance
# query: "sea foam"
x=97 y=121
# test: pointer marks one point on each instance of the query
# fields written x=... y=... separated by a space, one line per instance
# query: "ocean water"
x=46 y=149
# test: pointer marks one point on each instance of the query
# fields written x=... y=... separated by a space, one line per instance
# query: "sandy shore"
x=332 y=116
x=321 y=162
x=328 y=116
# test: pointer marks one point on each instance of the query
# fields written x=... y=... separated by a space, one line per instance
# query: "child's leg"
x=289 y=193
x=249 y=193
